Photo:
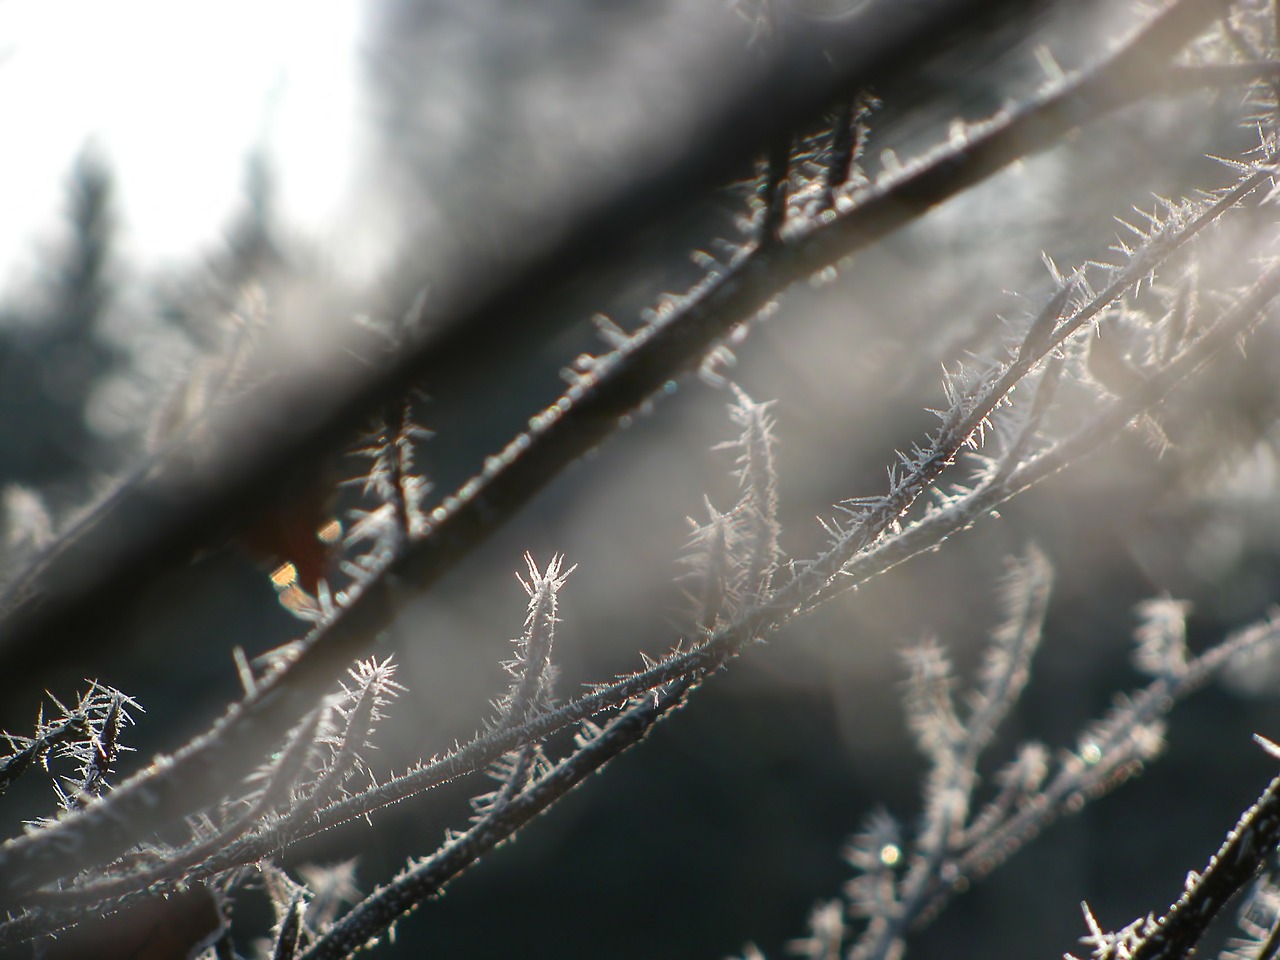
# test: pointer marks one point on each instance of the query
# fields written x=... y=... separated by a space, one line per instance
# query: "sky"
x=174 y=94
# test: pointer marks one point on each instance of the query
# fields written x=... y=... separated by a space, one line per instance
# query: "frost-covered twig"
x=723 y=644
x=899 y=886
x=87 y=735
x=1106 y=754
x=176 y=864
x=919 y=537
x=733 y=556
x=284 y=786
x=424 y=880
x=578 y=422
x=534 y=679
x=954 y=746
x=144 y=529
x=841 y=570
x=1175 y=935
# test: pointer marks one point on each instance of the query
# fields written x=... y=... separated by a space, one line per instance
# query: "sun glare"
x=174 y=95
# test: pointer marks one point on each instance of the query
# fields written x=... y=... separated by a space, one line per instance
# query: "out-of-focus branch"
x=580 y=421
x=425 y=880
x=94 y=578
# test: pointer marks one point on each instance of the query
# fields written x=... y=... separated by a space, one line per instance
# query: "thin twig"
x=1247 y=847
x=425 y=880
x=586 y=415
x=93 y=577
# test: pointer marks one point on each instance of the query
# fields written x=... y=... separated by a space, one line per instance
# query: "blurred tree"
x=52 y=348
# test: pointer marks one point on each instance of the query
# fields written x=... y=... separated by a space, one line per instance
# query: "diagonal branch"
x=97 y=575
x=584 y=417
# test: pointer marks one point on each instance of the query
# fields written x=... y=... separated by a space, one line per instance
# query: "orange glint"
x=297 y=539
x=284 y=575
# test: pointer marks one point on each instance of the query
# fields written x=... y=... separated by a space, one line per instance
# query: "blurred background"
x=169 y=164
